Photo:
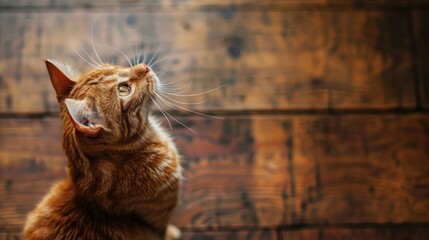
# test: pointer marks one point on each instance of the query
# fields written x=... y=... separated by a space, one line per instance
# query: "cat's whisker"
x=161 y=75
x=179 y=122
x=173 y=83
x=92 y=39
x=175 y=90
x=77 y=52
x=155 y=69
x=144 y=57
x=153 y=65
x=137 y=130
x=138 y=133
x=186 y=109
x=162 y=111
x=119 y=51
x=128 y=56
x=185 y=103
x=135 y=56
x=195 y=94
x=158 y=73
x=172 y=89
x=89 y=56
x=154 y=55
x=176 y=82
x=140 y=54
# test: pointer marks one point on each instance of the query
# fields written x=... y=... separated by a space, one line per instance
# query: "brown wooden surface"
x=307 y=170
x=259 y=171
x=229 y=235
x=391 y=233
x=282 y=165
x=208 y=4
x=269 y=60
x=207 y=235
x=421 y=33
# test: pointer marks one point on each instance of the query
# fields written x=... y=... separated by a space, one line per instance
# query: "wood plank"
x=302 y=234
x=379 y=233
x=258 y=171
x=10 y=236
x=417 y=233
x=206 y=235
x=228 y=235
x=206 y=4
x=322 y=169
x=269 y=60
x=421 y=35
x=31 y=160
x=387 y=233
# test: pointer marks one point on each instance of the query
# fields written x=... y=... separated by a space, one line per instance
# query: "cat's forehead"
x=107 y=73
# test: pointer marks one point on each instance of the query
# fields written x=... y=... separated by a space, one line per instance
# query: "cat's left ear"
x=86 y=121
x=62 y=77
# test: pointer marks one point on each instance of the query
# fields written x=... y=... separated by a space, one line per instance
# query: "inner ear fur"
x=62 y=77
x=84 y=119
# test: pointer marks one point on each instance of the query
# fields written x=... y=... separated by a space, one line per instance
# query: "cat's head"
x=112 y=102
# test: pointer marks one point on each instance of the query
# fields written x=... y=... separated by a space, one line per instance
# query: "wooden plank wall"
x=326 y=130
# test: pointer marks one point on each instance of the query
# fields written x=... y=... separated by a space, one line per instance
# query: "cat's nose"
x=140 y=70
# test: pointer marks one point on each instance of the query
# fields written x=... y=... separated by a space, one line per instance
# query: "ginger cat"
x=123 y=172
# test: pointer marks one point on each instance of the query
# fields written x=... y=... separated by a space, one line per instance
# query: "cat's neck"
x=123 y=177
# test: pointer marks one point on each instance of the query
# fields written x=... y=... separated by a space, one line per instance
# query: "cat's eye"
x=124 y=89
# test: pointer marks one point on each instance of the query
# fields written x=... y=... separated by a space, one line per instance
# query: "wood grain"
x=302 y=234
x=206 y=4
x=206 y=235
x=280 y=176
x=268 y=60
x=380 y=233
x=376 y=233
x=258 y=171
x=421 y=24
x=10 y=236
x=228 y=235
x=31 y=160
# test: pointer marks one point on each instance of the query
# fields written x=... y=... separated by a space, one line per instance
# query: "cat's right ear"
x=62 y=77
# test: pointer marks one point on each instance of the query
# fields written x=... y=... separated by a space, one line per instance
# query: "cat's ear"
x=62 y=77
x=84 y=120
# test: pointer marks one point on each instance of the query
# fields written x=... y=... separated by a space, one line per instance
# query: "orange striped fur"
x=123 y=168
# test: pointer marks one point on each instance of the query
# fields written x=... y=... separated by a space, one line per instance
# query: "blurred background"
x=325 y=132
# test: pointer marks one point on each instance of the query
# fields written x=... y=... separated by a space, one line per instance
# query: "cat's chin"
x=156 y=82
